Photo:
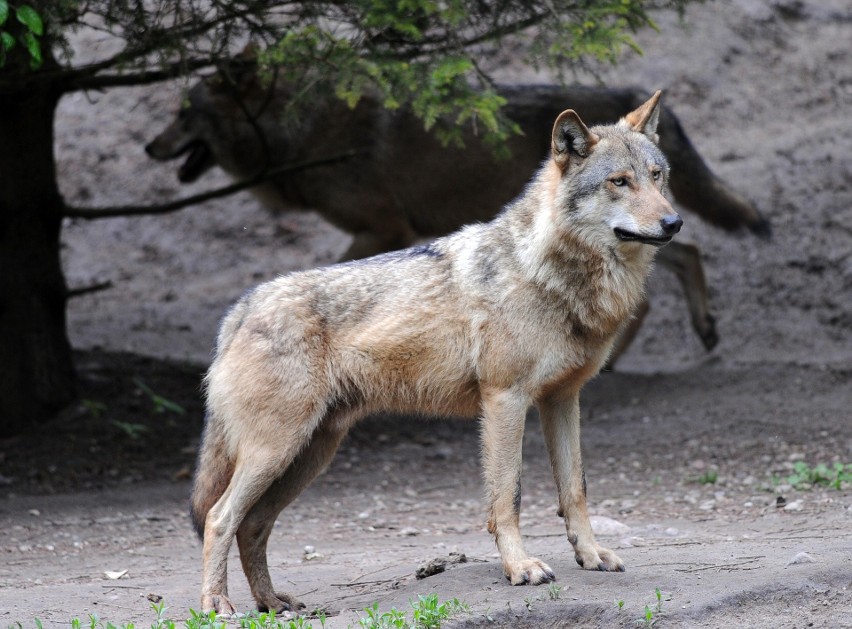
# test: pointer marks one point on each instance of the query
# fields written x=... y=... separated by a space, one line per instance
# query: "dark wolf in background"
x=490 y=321
x=404 y=185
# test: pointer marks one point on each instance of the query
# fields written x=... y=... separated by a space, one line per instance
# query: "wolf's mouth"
x=200 y=158
x=628 y=236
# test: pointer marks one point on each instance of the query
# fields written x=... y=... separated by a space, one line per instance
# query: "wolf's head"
x=613 y=178
x=224 y=120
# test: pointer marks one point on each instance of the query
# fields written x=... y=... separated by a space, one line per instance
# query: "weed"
x=554 y=591
x=161 y=404
x=709 y=477
x=620 y=604
x=132 y=430
x=95 y=409
x=426 y=613
x=806 y=477
x=650 y=615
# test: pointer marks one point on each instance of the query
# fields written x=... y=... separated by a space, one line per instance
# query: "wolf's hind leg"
x=252 y=476
x=253 y=534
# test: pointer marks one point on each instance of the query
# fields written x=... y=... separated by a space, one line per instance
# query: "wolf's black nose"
x=671 y=224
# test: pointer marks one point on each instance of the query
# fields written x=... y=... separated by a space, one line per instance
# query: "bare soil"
x=764 y=89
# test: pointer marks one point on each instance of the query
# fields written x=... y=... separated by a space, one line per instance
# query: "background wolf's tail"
x=212 y=474
x=695 y=186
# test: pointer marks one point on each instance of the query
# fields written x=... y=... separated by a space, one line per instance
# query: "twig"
x=173 y=206
x=85 y=290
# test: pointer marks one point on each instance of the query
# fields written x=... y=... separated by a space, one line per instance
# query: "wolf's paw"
x=708 y=334
x=218 y=603
x=598 y=558
x=279 y=602
x=528 y=571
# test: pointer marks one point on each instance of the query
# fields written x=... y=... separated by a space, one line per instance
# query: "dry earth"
x=764 y=89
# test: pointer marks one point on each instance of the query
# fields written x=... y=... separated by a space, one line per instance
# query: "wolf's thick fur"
x=404 y=185
x=488 y=322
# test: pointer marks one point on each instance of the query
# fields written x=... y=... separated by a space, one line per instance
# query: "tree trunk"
x=36 y=368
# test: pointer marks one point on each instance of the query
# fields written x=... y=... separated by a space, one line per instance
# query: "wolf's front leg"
x=560 y=421
x=502 y=440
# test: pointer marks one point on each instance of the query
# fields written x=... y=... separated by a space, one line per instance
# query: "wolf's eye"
x=619 y=181
x=656 y=174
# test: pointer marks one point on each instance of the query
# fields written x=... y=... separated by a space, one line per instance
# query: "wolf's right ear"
x=571 y=138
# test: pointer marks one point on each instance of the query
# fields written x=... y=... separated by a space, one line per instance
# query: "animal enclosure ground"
x=764 y=89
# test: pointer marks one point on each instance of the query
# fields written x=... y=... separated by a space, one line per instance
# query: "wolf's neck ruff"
x=600 y=285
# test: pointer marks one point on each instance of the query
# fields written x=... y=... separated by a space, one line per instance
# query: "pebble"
x=801 y=558
x=796 y=505
x=602 y=525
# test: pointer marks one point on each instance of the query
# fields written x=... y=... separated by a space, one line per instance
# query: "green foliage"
x=807 y=477
x=160 y=403
x=30 y=29
x=425 y=54
x=708 y=478
x=426 y=612
x=554 y=591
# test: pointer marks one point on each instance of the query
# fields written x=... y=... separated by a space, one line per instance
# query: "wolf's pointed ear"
x=645 y=118
x=571 y=138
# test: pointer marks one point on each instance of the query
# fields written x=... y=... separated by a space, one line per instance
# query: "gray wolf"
x=489 y=321
x=390 y=196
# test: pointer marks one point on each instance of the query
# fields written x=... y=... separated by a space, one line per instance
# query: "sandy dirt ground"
x=764 y=89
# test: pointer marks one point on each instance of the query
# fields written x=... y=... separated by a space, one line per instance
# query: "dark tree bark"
x=36 y=369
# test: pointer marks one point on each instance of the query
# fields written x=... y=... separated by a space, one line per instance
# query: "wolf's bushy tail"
x=213 y=472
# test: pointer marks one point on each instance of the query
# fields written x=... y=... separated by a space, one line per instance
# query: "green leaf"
x=4 y=12
x=7 y=40
x=34 y=47
x=30 y=18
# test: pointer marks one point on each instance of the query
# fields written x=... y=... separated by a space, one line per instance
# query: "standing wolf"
x=489 y=321
x=404 y=185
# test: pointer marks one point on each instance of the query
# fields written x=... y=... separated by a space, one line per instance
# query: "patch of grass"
x=821 y=475
x=426 y=612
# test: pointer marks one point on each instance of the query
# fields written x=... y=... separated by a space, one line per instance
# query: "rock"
x=602 y=525
x=801 y=558
x=796 y=505
x=439 y=564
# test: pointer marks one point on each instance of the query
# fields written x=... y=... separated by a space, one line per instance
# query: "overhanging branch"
x=179 y=204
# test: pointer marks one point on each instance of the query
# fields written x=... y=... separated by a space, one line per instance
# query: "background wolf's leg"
x=502 y=440
x=253 y=534
x=625 y=338
x=560 y=421
x=684 y=260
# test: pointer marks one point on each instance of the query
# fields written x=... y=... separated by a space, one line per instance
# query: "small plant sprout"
x=554 y=591
x=161 y=404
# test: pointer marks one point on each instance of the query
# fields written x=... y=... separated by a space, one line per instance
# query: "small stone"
x=801 y=558
x=310 y=549
x=34 y=512
x=709 y=505
x=796 y=505
x=602 y=525
x=408 y=532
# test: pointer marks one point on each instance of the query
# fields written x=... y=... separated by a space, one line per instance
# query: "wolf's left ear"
x=645 y=118
x=571 y=139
